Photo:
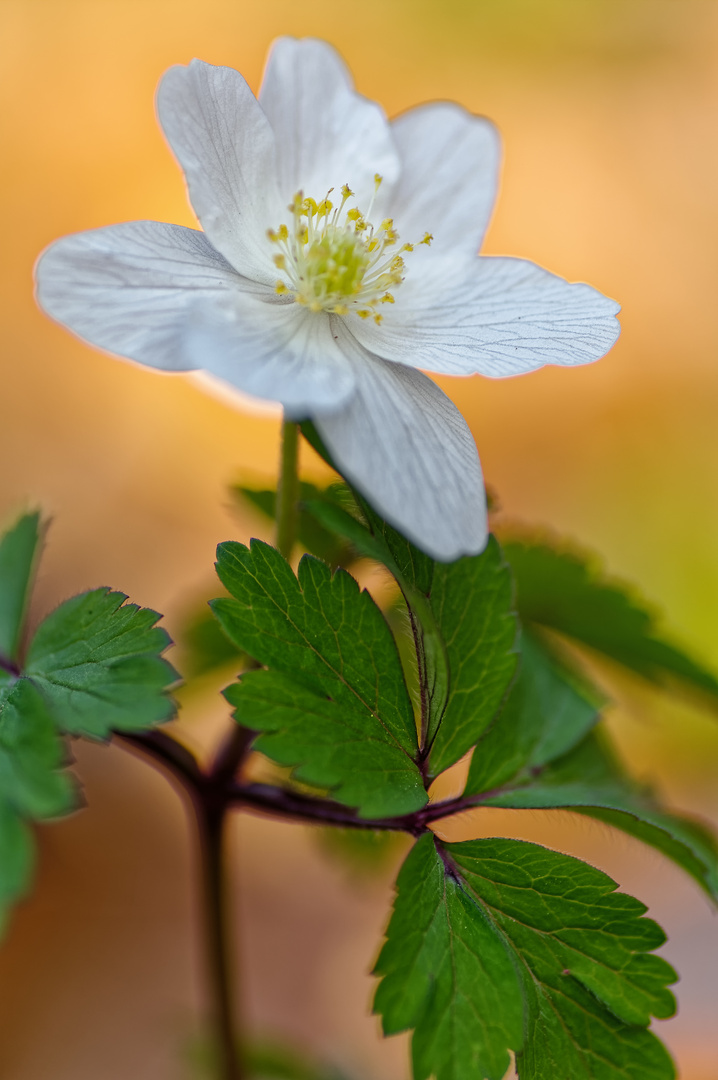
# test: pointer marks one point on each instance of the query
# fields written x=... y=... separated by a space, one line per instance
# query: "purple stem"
x=221 y=787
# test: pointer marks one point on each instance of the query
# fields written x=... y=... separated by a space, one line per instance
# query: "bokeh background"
x=608 y=110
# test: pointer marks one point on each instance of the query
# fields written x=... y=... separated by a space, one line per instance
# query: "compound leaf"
x=31 y=785
x=463 y=624
x=409 y=564
x=311 y=533
x=17 y=859
x=542 y=752
x=501 y=944
x=31 y=754
x=335 y=746
x=334 y=702
x=544 y=716
x=97 y=661
x=567 y=591
x=472 y=602
x=93 y=665
x=19 y=549
x=447 y=974
x=584 y=952
x=413 y=572
x=590 y=781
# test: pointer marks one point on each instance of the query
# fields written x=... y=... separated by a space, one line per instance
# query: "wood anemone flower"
x=338 y=257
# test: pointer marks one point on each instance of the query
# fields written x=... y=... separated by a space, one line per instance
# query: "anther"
x=335 y=260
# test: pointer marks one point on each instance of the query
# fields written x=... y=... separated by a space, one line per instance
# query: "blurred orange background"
x=608 y=109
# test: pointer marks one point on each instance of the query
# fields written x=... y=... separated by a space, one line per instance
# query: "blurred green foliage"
x=603 y=31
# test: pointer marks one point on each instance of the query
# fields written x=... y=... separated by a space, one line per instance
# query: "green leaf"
x=31 y=754
x=97 y=661
x=447 y=974
x=31 y=785
x=582 y=925
x=18 y=555
x=411 y=566
x=334 y=702
x=331 y=745
x=365 y=854
x=567 y=591
x=542 y=753
x=464 y=630
x=17 y=861
x=472 y=602
x=413 y=572
x=584 y=952
x=544 y=716
x=312 y=535
x=590 y=781
x=93 y=665
x=267 y=1061
x=262 y=1060
x=500 y=944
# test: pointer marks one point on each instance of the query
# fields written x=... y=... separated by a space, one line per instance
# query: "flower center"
x=333 y=259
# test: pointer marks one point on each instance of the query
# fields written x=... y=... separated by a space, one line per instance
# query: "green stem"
x=288 y=489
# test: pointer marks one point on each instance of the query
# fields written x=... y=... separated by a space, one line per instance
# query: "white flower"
x=292 y=294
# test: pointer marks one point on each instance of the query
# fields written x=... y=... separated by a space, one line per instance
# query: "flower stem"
x=288 y=489
x=210 y=820
x=209 y=798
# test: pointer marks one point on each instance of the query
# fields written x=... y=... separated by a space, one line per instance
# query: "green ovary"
x=334 y=267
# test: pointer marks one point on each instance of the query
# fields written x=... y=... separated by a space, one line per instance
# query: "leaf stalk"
x=284 y=802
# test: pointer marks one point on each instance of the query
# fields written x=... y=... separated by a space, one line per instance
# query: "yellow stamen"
x=335 y=260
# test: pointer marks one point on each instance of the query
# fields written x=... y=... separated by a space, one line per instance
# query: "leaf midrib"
x=340 y=678
x=540 y=987
x=553 y=937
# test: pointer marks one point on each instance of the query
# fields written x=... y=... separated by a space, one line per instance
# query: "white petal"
x=492 y=316
x=128 y=288
x=224 y=143
x=280 y=352
x=407 y=448
x=449 y=176
x=327 y=134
